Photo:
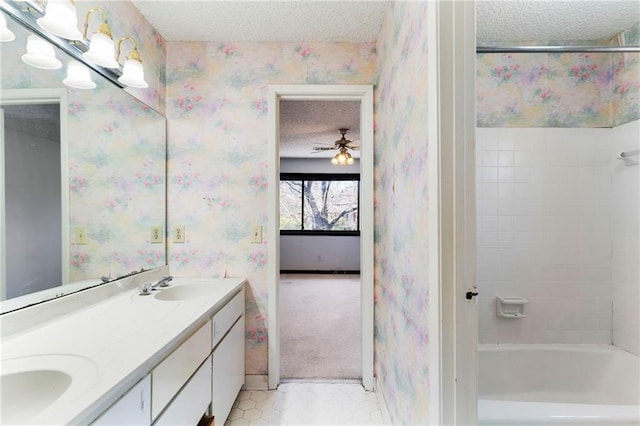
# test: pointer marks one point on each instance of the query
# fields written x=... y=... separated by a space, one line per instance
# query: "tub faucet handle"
x=471 y=294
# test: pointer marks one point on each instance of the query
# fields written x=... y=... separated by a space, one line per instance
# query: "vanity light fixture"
x=61 y=19
x=55 y=21
x=132 y=71
x=78 y=76
x=5 y=33
x=40 y=54
x=101 y=47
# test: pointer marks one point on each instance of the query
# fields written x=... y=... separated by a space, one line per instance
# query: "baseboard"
x=386 y=418
x=256 y=382
x=305 y=271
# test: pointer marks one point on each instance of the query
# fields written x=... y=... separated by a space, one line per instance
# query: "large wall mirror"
x=83 y=181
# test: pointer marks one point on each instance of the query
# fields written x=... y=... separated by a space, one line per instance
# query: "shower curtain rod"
x=556 y=49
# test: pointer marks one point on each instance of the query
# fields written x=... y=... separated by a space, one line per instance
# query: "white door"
x=455 y=90
x=3 y=290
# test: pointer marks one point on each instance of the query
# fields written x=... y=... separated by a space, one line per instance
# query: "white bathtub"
x=558 y=384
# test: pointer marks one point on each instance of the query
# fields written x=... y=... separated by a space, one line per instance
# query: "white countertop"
x=119 y=340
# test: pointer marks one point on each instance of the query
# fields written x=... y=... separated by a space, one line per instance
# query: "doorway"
x=363 y=95
x=320 y=330
x=34 y=202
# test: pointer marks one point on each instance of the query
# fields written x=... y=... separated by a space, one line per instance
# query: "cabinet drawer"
x=133 y=408
x=169 y=376
x=192 y=401
x=227 y=316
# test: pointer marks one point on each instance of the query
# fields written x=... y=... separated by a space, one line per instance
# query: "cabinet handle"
x=142 y=400
x=215 y=331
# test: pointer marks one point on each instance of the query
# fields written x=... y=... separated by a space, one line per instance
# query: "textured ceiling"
x=265 y=20
x=42 y=120
x=358 y=21
x=553 y=20
x=305 y=124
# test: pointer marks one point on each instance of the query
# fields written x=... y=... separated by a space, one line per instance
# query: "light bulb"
x=61 y=19
x=133 y=74
x=102 y=51
x=78 y=76
x=5 y=33
x=40 y=54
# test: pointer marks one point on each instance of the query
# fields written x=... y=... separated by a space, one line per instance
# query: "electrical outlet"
x=178 y=234
x=81 y=235
x=156 y=234
x=256 y=234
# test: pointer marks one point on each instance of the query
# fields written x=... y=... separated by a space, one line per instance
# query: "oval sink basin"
x=185 y=292
x=32 y=384
x=37 y=389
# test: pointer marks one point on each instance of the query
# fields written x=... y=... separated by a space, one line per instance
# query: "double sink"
x=32 y=384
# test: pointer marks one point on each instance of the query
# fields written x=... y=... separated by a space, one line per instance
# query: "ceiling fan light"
x=334 y=161
x=5 y=33
x=40 y=54
x=350 y=160
x=342 y=159
x=61 y=19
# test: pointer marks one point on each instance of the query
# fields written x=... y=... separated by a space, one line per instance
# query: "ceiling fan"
x=339 y=145
x=343 y=157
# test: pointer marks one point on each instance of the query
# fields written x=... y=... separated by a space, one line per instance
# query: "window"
x=319 y=204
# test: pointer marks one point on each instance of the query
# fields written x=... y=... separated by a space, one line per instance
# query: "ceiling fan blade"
x=354 y=148
x=322 y=148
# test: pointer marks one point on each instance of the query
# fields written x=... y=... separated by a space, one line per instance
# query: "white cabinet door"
x=172 y=373
x=192 y=401
x=134 y=408
x=228 y=371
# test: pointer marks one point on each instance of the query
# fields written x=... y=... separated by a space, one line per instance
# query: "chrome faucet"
x=147 y=288
x=163 y=282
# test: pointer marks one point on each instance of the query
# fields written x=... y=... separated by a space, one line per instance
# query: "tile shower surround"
x=547 y=210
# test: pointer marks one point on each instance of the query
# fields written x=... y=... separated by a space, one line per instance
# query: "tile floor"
x=296 y=403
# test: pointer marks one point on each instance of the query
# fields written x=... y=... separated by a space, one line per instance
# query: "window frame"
x=333 y=177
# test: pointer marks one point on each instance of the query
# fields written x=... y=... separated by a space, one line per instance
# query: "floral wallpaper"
x=558 y=89
x=116 y=157
x=625 y=96
x=401 y=255
x=116 y=182
x=217 y=178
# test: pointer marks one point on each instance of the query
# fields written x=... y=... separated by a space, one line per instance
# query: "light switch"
x=256 y=234
x=156 y=234
x=81 y=235
x=178 y=234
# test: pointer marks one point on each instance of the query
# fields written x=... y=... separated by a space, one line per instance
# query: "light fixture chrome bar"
x=556 y=49
x=75 y=49
x=627 y=154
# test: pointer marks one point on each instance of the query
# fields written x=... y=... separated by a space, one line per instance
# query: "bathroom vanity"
x=163 y=358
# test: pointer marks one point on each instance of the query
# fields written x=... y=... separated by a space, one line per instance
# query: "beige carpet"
x=320 y=327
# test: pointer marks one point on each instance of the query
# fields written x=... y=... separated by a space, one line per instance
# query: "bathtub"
x=558 y=384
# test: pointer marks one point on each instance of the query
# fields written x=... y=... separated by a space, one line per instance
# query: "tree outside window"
x=318 y=203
